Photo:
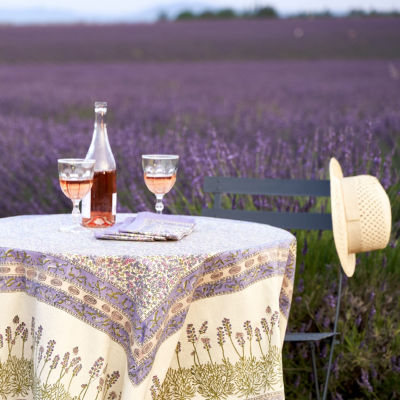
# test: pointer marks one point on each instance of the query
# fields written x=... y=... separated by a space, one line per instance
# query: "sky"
x=148 y=9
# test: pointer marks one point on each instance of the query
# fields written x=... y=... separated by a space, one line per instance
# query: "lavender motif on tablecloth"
x=248 y=375
x=43 y=376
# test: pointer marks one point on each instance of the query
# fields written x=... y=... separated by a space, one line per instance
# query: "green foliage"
x=206 y=14
x=270 y=12
x=373 y=13
x=265 y=12
x=249 y=377
x=214 y=381
x=185 y=15
x=15 y=377
x=225 y=13
x=228 y=13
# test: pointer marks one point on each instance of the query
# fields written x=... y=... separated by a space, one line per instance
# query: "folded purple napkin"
x=150 y=227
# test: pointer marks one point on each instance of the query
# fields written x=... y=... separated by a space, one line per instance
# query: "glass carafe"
x=100 y=205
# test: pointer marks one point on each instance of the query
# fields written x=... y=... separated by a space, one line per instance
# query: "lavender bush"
x=274 y=119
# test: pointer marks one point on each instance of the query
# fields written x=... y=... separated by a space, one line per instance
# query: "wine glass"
x=76 y=180
x=159 y=175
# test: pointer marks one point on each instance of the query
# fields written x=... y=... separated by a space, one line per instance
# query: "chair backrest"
x=273 y=187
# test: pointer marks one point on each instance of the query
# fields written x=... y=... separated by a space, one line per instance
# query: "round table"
x=145 y=320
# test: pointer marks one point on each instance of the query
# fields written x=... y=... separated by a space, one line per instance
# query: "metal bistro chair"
x=289 y=220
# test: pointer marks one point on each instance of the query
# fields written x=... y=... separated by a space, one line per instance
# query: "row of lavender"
x=280 y=119
x=262 y=119
x=292 y=38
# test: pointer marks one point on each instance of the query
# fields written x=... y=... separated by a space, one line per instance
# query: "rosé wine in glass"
x=76 y=180
x=160 y=175
x=159 y=184
x=75 y=189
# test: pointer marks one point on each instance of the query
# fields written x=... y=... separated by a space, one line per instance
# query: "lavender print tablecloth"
x=201 y=318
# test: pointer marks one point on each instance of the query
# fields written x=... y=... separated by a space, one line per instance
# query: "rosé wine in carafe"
x=100 y=204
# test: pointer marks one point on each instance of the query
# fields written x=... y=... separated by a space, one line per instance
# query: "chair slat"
x=278 y=187
x=287 y=220
x=308 y=336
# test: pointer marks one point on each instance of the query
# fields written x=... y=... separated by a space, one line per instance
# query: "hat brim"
x=347 y=260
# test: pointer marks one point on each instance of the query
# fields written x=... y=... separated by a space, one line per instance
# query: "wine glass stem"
x=76 y=212
x=159 y=203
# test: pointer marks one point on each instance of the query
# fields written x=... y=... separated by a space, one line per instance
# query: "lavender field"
x=241 y=98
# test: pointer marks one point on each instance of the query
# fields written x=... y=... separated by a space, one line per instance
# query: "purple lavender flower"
x=114 y=377
x=220 y=335
x=73 y=362
x=8 y=334
x=178 y=347
x=372 y=312
x=248 y=328
x=298 y=299
x=274 y=318
x=99 y=387
x=395 y=361
x=265 y=325
x=49 y=351
x=365 y=381
x=203 y=328
x=257 y=334
x=95 y=370
x=191 y=333
x=330 y=300
x=76 y=370
x=240 y=339
x=300 y=286
x=20 y=328
x=39 y=334
x=206 y=343
x=24 y=335
x=54 y=364
x=226 y=323
x=305 y=247
x=64 y=362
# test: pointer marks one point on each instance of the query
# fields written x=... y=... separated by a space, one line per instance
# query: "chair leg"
x=314 y=368
x=328 y=372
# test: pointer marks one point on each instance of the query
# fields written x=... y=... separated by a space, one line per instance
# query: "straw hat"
x=361 y=215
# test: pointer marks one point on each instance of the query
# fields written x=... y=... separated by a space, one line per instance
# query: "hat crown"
x=374 y=211
x=361 y=215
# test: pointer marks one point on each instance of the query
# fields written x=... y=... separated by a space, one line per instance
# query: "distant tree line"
x=228 y=13
x=267 y=12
